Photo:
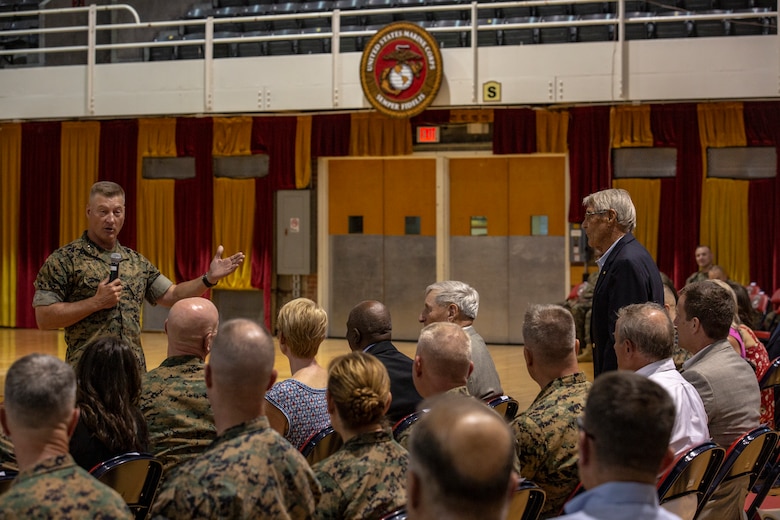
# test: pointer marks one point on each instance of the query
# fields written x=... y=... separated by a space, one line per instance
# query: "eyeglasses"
x=589 y=214
x=581 y=426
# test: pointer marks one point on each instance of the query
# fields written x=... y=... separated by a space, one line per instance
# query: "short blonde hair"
x=304 y=325
x=359 y=386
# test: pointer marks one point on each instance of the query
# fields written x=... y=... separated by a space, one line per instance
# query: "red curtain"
x=514 y=131
x=330 y=135
x=589 y=155
x=194 y=199
x=762 y=129
x=678 y=227
x=276 y=137
x=118 y=161
x=39 y=210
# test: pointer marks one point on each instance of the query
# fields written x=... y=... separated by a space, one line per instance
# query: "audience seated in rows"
x=623 y=446
x=40 y=415
x=249 y=471
x=726 y=383
x=109 y=387
x=459 y=462
x=456 y=302
x=547 y=431
x=366 y=478
x=297 y=407
x=369 y=329
x=173 y=398
x=644 y=338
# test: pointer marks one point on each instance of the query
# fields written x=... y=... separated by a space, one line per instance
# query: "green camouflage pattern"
x=177 y=410
x=547 y=439
x=73 y=272
x=58 y=488
x=365 y=479
x=250 y=471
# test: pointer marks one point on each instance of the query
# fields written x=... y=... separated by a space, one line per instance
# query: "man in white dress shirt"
x=644 y=343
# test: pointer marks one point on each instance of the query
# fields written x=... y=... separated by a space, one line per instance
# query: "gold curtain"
x=646 y=194
x=552 y=128
x=303 y=152
x=10 y=192
x=631 y=126
x=724 y=205
x=79 y=153
x=156 y=234
x=234 y=199
x=372 y=133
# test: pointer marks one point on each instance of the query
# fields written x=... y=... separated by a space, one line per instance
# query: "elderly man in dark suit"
x=369 y=329
x=627 y=272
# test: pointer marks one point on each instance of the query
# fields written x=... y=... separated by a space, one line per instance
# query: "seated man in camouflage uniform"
x=459 y=462
x=547 y=431
x=173 y=397
x=442 y=364
x=249 y=471
x=39 y=416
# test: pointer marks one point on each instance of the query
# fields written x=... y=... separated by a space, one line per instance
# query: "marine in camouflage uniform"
x=72 y=273
x=250 y=471
x=177 y=410
x=58 y=488
x=402 y=437
x=547 y=439
x=365 y=479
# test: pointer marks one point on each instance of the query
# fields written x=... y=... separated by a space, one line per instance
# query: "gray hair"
x=548 y=330
x=637 y=327
x=459 y=293
x=40 y=391
x=617 y=200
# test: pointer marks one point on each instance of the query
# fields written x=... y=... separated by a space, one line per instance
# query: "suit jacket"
x=484 y=381
x=399 y=367
x=729 y=390
x=628 y=276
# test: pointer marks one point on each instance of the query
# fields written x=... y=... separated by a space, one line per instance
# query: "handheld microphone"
x=114 y=269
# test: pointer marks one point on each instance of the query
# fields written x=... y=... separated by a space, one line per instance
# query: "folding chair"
x=322 y=444
x=691 y=474
x=503 y=404
x=135 y=476
x=527 y=502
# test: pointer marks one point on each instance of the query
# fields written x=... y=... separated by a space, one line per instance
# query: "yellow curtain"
x=303 y=152
x=234 y=199
x=631 y=126
x=646 y=194
x=79 y=152
x=724 y=205
x=10 y=192
x=552 y=128
x=156 y=235
x=372 y=133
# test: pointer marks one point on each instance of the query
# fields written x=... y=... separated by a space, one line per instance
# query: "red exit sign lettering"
x=427 y=134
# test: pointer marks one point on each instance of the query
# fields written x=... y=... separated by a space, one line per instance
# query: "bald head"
x=368 y=323
x=191 y=326
x=242 y=358
x=443 y=359
x=460 y=460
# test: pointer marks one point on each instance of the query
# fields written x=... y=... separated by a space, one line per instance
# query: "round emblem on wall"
x=401 y=69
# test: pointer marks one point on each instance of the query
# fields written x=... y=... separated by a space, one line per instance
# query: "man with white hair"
x=456 y=302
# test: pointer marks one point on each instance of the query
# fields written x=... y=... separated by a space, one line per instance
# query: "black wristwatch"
x=206 y=281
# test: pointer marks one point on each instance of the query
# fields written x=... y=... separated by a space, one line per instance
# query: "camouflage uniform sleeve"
x=52 y=285
x=531 y=446
x=329 y=506
x=179 y=499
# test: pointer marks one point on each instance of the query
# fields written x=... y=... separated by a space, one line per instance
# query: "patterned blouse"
x=304 y=408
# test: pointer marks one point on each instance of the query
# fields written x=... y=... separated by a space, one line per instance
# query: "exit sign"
x=427 y=134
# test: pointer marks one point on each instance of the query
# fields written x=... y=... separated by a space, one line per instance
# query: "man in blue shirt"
x=623 y=445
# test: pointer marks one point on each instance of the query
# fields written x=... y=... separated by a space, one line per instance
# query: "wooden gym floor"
x=15 y=343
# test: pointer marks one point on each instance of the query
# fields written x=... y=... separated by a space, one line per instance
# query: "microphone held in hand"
x=114 y=269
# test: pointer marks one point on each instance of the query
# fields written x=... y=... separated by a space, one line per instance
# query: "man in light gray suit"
x=726 y=383
x=457 y=302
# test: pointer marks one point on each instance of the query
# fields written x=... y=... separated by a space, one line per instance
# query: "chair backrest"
x=527 y=502
x=7 y=476
x=404 y=424
x=746 y=456
x=322 y=444
x=771 y=377
x=135 y=476
x=767 y=485
x=398 y=514
x=504 y=405
x=691 y=473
